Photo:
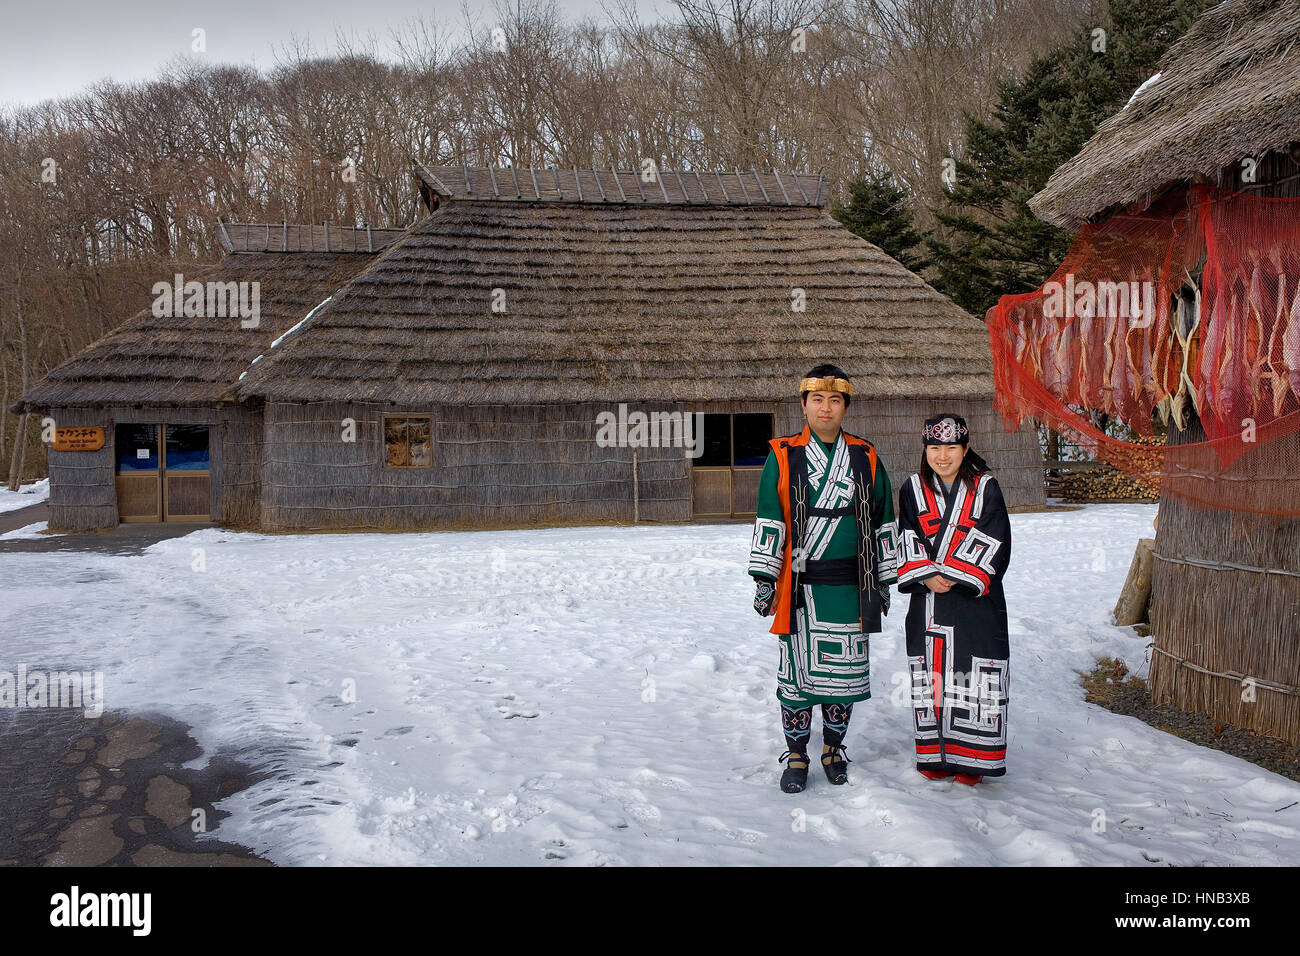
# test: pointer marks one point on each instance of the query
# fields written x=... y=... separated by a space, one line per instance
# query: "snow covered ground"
x=606 y=696
x=29 y=494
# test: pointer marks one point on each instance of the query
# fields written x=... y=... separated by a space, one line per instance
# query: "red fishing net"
x=1186 y=313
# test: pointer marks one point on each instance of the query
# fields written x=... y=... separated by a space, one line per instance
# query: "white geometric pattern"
x=767 y=550
x=978 y=548
x=975 y=704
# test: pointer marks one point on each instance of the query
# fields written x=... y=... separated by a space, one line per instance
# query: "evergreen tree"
x=879 y=210
x=989 y=243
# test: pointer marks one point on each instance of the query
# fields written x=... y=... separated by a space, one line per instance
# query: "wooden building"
x=460 y=375
x=1223 y=110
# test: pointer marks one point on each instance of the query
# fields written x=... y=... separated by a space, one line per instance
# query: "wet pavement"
x=129 y=538
x=110 y=791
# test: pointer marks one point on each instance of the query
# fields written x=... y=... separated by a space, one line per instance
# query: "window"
x=136 y=447
x=187 y=447
x=735 y=441
x=408 y=441
x=750 y=437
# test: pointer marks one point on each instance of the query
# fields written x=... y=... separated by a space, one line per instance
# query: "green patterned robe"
x=826 y=659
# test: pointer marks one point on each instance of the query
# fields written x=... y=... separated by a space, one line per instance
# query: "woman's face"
x=945 y=459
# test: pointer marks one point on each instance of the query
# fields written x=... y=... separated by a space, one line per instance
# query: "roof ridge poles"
x=781 y=186
x=740 y=179
x=686 y=198
x=761 y=187
x=230 y=246
x=723 y=188
x=703 y=191
x=799 y=186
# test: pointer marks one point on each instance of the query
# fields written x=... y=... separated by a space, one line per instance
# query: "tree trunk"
x=20 y=450
x=20 y=436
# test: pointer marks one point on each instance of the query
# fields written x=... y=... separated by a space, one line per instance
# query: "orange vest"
x=780 y=447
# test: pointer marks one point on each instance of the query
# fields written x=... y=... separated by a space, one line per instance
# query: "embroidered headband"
x=948 y=430
x=825 y=385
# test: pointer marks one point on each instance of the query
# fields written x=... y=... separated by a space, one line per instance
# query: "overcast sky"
x=52 y=48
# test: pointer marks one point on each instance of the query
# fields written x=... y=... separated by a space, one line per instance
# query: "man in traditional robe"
x=823 y=555
x=954 y=548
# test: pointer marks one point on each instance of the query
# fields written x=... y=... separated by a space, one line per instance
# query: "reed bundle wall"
x=1225 y=607
x=493 y=466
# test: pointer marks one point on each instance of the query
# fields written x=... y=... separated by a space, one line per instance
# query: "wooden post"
x=1131 y=608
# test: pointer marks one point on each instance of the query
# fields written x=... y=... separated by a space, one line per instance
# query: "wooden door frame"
x=730 y=469
x=160 y=474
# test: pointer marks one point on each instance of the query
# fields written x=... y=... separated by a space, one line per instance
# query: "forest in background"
x=935 y=120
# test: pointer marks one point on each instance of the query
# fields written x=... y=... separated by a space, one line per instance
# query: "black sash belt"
x=830 y=512
x=832 y=571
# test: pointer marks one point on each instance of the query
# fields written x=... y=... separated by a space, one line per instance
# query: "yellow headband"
x=825 y=385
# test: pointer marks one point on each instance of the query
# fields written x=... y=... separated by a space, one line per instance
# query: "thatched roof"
x=624 y=301
x=1230 y=88
x=528 y=184
x=191 y=359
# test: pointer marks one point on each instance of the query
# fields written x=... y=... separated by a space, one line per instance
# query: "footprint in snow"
x=509 y=708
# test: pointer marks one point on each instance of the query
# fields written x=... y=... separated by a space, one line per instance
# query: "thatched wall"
x=511 y=465
x=1226 y=606
x=493 y=466
x=83 y=495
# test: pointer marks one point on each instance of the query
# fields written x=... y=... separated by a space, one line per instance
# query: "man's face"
x=824 y=411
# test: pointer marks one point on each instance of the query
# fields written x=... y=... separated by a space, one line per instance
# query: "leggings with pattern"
x=797 y=725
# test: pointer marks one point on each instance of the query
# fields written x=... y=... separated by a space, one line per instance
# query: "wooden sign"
x=79 y=438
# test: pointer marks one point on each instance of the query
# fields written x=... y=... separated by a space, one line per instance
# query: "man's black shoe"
x=795 y=777
x=836 y=764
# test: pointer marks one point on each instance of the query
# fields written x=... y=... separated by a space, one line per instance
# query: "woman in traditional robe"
x=954 y=547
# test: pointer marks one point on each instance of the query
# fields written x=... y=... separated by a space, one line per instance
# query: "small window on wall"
x=735 y=441
x=137 y=447
x=187 y=448
x=717 y=442
x=408 y=441
x=750 y=437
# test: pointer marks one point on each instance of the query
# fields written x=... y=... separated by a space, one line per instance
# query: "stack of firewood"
x=1104 y=484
